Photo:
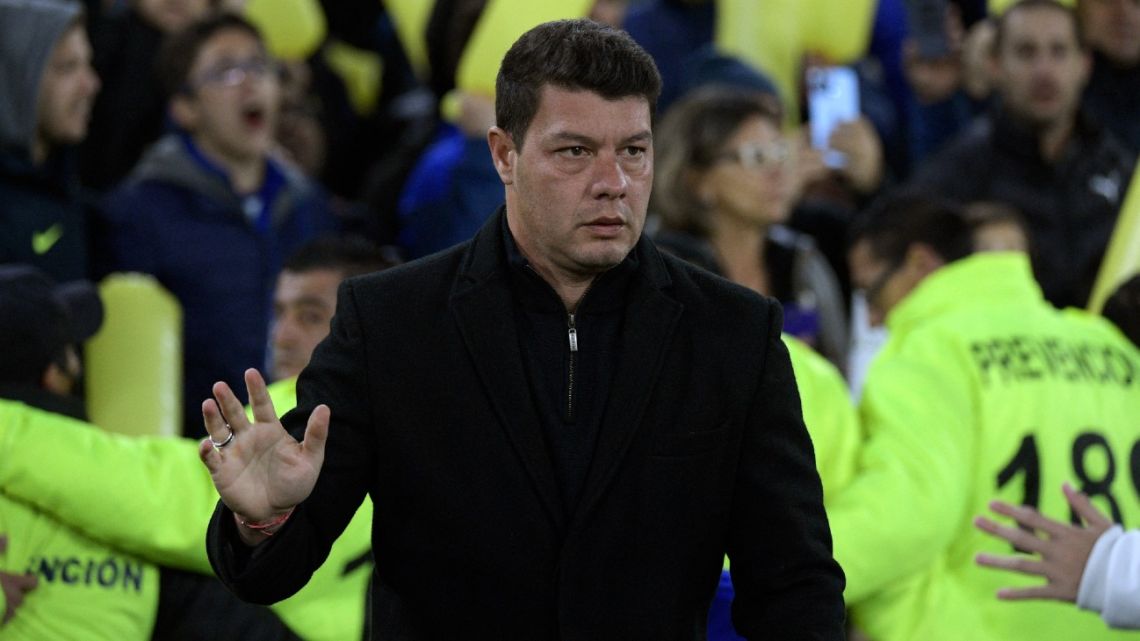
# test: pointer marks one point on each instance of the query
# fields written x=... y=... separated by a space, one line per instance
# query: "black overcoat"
x=702 y=451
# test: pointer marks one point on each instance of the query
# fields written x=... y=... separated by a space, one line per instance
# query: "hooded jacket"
x=983 y=391
x=44 y=454
x=41 y=219
x=178 y=218
x=86 y=589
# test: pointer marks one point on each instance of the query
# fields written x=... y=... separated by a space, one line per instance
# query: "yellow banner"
x=1122 y=260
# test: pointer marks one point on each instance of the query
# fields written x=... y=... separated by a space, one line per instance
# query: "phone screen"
x=833 y=98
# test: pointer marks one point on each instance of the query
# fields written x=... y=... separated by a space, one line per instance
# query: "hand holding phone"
x=833 y=98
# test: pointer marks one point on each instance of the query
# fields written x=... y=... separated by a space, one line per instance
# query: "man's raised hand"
x=260 y=471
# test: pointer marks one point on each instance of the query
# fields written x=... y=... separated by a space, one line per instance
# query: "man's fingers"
x=1019 y=564
x=27 y=582
x=1020 y=538
x=205 y=452
x=263 y=411
x=1036 y=592
x=215 y=422
x=1084 y=508
x=1030 y=518
x=231 y=407
x=316 y=433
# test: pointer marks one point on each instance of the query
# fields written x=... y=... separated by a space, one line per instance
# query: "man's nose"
x=283 y=333
x=610 y=178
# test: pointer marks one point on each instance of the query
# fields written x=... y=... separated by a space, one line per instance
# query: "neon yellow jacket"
x=119 y=489
x=982 y=391
x=86 y=589
x=829 y=415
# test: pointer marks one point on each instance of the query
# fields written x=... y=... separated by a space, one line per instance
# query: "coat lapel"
x=650 y=319
x=482 y=304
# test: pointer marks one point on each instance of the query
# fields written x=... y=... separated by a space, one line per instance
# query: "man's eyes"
x=579 y=151
x=576 y=151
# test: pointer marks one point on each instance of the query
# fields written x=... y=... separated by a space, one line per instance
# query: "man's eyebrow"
x=641 y=136
x=568 y=137
x=583 y=139
x=307 y=301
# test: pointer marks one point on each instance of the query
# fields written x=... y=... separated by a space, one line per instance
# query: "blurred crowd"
x=936 y=248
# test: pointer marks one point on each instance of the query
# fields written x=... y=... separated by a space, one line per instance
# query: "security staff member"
x=982 y=391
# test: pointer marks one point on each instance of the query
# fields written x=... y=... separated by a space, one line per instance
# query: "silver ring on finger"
x=229 y=439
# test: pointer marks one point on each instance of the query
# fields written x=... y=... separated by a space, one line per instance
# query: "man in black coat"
x=562 y=430
x=1039 y=153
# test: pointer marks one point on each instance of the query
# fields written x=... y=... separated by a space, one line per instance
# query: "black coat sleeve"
x=338 y=377
x=787 y=584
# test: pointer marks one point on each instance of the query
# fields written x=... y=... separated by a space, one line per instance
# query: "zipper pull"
x=573 y=333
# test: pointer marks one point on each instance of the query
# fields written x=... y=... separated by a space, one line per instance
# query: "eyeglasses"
x=232 y=74
x=871 y=292
x=760 y=155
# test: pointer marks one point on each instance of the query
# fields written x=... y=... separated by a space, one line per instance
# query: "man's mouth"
x=253 y=116
x=606 y=226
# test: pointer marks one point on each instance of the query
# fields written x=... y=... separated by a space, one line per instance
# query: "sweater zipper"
x=572 y=334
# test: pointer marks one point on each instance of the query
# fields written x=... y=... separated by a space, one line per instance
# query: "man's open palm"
x=260 y=471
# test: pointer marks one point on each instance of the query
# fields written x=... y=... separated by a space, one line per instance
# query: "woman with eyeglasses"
x=724 y=186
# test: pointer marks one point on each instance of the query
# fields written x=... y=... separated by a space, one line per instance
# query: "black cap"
x=38 y=318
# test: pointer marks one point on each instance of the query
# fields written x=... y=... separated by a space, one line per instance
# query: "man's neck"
x=1053 y=139
x=570 y=288
x=246 y=174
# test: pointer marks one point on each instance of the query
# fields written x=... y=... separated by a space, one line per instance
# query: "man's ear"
x=183 y=112
x=503 y=154
x=921 y=260
x=56 y=380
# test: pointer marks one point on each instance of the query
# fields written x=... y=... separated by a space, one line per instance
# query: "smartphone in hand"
x=833 y=98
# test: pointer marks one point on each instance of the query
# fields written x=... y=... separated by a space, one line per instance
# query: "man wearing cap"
x=49 y=86
x=60 y=580
x=55 y=580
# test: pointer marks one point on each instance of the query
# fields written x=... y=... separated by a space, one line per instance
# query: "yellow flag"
x=1122 y=260
x=410 y=18
x=998 y=7
x=501 y=23
x=774 y=36
x=292 y=29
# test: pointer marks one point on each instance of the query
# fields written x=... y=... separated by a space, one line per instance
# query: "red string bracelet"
x=267 y=527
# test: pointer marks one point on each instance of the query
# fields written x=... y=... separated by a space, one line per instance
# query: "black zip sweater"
x=570 y=358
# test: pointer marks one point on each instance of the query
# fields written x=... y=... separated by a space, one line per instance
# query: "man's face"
x=232 y=99
x=303 y=306
x=1112 y=27
x=1041 y=69
x=578 y=189
x=884 y=283
x=170 y=16
x=67 y=90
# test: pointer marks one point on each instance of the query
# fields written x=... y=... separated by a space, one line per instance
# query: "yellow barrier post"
x=134 y=363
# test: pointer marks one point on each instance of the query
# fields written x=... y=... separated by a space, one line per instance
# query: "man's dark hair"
x=1002 y=23
x=1123 y=309
x=180 y=50
x=573 y=55
x=350 y=255
x=897 y=221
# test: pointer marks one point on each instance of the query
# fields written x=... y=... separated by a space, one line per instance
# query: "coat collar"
x=480 y=304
